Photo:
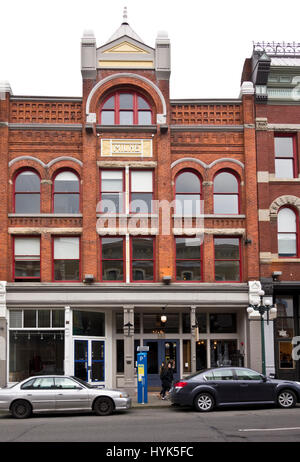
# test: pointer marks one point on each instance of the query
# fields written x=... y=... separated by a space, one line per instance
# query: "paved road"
x=158 y=425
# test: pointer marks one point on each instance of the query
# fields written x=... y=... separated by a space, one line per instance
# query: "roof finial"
x=125 y=15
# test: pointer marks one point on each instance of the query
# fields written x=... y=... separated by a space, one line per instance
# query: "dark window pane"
x=66 y=203
x=152 y=323
x=187 y=182
x=107 y=117
x=27 y=203
x=27 y=269
x=227 y=271
x=120 y=356
x=27 y=182
x=142 y=248
x=201 y=358
x=30 y=318
x=188 y=270
x=186 y=323
x=142 y=270
x=88 y=323
x=141 y=203
x=227 y=249
x=43 y=318
x=225 y=183
x=222 y=323
x=112 y=270
x=58 y=318
x=201 y=321
x=112 y=248
x=66 y=270
x=188 y=248
x=225 y=353
x=284 y=306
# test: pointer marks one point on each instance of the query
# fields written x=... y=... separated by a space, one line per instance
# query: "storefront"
x=98 y=342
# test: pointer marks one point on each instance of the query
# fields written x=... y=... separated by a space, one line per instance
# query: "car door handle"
x=244 y=385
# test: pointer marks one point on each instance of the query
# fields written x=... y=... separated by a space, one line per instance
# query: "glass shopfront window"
x=34 y=352
x=222 y=323
x=225 y=353
x=284 y=331
x=88 y=323
x=153 y=323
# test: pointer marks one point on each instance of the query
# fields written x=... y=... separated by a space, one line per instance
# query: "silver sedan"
x=60 y=393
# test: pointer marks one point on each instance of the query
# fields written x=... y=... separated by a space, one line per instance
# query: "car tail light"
x=180 y=385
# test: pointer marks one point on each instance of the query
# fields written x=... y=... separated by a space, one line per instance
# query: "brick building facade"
x=90 y=262
x=274 y=70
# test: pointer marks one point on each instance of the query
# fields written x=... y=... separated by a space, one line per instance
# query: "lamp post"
x=263 y=304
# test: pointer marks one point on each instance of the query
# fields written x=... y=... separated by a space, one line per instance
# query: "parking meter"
x=142 y=380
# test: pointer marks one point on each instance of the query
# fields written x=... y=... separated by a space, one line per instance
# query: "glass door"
x=161 y=351
x=89 y=356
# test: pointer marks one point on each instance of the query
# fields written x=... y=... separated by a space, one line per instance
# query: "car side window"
x=208 y=376
x=247 y=374
x=28 y=385
x=43 y=383
x=66 y=384
x=223 y=374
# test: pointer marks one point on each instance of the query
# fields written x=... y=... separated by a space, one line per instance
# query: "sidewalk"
x=153 y=401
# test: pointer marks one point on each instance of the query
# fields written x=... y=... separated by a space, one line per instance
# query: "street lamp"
x=263 y=305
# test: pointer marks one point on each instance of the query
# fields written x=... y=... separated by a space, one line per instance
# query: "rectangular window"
x=27 y=265
x=66 y=259
x=142 y=259
x=112 y=191
x=222 y=323
x=285 y=152
x=88 y=323
x=36 y=318
x=112 y=259
x=141 y=191
x=188 y=259
x=227 y=259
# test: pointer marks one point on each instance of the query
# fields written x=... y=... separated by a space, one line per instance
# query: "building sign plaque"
x=126 y=148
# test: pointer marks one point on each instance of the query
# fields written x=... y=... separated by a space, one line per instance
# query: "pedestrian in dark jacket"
x=166 y=379
x=162 y=376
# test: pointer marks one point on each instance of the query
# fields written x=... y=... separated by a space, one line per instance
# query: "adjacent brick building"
x=82 y=289
x=274 y=70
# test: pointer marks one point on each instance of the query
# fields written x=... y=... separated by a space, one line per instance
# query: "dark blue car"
x=229 y=386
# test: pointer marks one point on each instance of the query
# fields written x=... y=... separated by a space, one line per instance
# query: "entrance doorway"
x=161 y=351
x=89 y=358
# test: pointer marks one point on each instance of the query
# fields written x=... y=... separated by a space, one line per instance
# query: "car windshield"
x=86 y=384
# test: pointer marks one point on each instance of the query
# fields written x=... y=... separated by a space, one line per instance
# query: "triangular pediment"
x=125 y=47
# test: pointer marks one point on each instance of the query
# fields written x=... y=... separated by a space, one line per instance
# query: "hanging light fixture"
x=163 y=316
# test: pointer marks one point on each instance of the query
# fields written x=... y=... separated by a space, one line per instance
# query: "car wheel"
x=103 y=406
x=21 y=409
x=286 y=399
x=204 y=402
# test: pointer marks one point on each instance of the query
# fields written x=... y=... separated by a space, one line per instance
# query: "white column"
x=69 y=356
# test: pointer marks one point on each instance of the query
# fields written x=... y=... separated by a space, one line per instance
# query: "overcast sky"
x=210 y=39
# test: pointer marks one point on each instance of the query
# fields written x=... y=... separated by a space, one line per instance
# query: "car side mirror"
x=264 y=378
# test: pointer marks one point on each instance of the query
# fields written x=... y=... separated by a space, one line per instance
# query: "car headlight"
x=298 y=383
x=123 y=395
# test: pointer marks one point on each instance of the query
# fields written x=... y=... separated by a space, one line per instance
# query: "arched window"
x=188 y=194
x=287 y=232
x=125 y=108
x=226 y=193
x=66 y=193
x=27 y=192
